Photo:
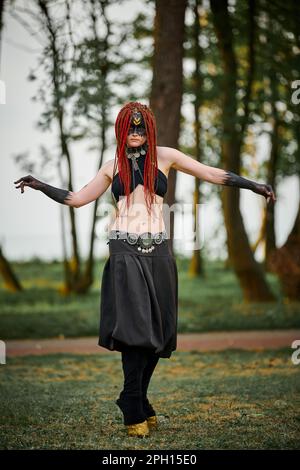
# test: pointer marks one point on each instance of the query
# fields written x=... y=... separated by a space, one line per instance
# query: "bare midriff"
x=135 y=218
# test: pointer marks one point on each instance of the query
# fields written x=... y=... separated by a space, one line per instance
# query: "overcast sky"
x=30 y=222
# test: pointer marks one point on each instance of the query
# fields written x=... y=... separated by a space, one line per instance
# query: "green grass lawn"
x=223 y=400
x=205 y=304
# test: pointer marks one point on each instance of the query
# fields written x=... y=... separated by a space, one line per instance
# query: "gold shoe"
x=152 y=421
x=138 y=430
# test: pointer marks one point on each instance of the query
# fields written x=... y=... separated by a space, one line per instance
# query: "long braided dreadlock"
x=122 y=125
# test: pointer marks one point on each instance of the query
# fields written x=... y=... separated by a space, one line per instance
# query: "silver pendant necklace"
x=133 y=154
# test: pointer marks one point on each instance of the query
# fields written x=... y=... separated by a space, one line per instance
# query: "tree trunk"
x=11 y=281
x=167 y=81
x=87 y=277
x=196 y=263
x=285 y=261
x=249 y=272
x=261 y=238
x=72 y=266
x=272 y=167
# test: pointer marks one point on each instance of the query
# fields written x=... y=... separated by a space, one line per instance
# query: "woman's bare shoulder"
x=165 y=157
x=108 y=168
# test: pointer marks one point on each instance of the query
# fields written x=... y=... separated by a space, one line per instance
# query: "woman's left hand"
x=265 y=190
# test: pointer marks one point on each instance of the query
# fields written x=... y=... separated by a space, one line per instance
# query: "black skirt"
x=139 y=299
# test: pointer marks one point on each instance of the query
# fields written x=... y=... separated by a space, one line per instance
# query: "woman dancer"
x=139 y=289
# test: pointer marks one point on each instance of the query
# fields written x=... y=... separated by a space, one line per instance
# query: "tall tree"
x=167 y=82
x=93 y=99
x=196 y=264
x=275 y=59
x=56 y=56
x=248 y=271
x=285 y=261
x=78 y=97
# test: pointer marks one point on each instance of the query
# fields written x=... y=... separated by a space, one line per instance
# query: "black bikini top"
x=160 y=183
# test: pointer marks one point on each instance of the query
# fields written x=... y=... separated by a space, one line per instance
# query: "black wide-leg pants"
x=139 y=298
x=138 y=366
x=138 y=317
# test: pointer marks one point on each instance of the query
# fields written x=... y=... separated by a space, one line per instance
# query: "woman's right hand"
x=28 y=181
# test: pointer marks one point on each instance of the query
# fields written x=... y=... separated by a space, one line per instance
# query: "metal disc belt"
x=145 y=241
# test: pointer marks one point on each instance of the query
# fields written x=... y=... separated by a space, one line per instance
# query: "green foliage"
x=276 y=45
x=40 y=311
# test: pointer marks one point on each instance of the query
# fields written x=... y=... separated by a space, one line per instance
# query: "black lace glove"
x=62 y=196
x=266 y=190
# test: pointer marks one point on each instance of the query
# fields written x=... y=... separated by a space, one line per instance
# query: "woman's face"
x=135 y=137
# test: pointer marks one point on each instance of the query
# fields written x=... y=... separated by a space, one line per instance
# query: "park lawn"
x=212 y=303
x=219 y=400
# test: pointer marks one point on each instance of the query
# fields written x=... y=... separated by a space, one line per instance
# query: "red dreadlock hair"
x=122 y=125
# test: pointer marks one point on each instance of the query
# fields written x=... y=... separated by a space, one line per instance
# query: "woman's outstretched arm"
x=187 y=164
x=90 y=192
